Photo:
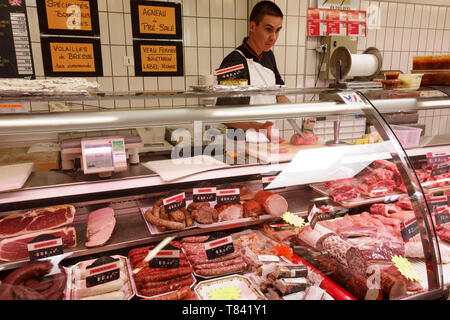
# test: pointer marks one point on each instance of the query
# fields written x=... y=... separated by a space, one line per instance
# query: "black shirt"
x=266 y=59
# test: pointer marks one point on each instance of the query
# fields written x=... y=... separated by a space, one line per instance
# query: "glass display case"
x=326 y=181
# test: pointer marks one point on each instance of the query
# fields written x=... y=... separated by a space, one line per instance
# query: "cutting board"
x=174 y=169
x=43 y=161
x=263 y=151
x=14 y=176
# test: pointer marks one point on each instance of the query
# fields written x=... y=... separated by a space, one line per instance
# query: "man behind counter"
x=260 y=67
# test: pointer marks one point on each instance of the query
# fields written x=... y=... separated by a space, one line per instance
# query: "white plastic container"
x=408 y=136
x=410 y=81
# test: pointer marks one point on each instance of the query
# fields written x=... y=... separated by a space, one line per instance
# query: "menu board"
x=156 y=20
x=16 y=59
x=72 y=57
x=68 y=17
x=329 y=22
x=158 y=58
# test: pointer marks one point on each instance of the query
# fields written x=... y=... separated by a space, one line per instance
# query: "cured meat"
x=357 y=231
x=245 y=194
x=219 y=264
x=12 y=249
x=272 y=203
x=378 y=250
x=410 y=285
x=289 y=286
x=223 y=270
x=345 y=253
x=100 y=226
x=282 y=236
x=314 y=237
x=36 y=220
x=348 y=279
x=297 y=140
x=415 y=250
x=230 y=211
x=203 y=213
x=252 y=209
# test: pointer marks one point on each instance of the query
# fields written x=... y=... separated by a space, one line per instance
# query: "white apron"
x=260 y=76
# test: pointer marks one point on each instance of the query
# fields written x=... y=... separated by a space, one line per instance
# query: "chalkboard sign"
x=72 y=57
x=156 y=20
x=68 y=17
x=158 y=58
x=16 y=59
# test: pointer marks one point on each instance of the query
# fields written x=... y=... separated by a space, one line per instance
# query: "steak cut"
x=36 y=220
x=12 y=249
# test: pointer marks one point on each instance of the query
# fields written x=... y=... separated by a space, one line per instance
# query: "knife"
x=296 y=128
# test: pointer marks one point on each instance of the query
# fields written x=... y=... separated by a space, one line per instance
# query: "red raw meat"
x=378 y=250
x=444 y=234
x=338 y=183
x=15 y=248
x=297 y=140
x=384 y=209
x=36 y=220
x=377 y=189
x=404 y=203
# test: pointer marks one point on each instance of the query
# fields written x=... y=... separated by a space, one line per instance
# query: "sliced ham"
x=36 y=220
x=100 y=226
x=229 y=212
x=15 y=248
x=272 y=203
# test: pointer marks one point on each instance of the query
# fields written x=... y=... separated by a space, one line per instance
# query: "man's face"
x=265 y=34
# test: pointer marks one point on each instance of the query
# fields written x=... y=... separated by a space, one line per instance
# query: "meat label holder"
x=206 y=192
x=409 y=229
x=167 y=258
x=102 y=270
x=268 y=177
x=218 y=245
x=225 y=195
x=175 y=202
x=45 y=246
x=442 y=216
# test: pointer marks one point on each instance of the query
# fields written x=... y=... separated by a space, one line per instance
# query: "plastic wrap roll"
x=363 y=65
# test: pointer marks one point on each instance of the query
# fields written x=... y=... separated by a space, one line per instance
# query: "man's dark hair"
x=265 y=8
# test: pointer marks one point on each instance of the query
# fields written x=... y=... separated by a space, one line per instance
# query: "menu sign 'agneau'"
x=156 y=20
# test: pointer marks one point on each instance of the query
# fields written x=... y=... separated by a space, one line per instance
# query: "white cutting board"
x=263 y=151
x=14 y=176
x=174 y=169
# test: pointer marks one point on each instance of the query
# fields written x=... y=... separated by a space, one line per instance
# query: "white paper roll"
x=363 y=65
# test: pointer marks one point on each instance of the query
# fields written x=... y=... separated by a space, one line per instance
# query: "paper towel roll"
x=363 y=65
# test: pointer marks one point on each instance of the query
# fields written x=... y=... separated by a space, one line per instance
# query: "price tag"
x=268 y=258
x=45 y=246
x=409 y=229
x=204 y=194
x=438 y=201
x=442 y=216
x=441 y=169
x=102 y=270
x=226 y=195
x=391 y=199
x=436 y=158
x=217 y=246
x=167 y=258
x=174 y=202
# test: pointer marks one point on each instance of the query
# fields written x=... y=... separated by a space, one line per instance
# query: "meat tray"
x=154 y=230
x=247 y=290
x=360 y=201
x=130 y=289
x=162 y=294
x=225 y=223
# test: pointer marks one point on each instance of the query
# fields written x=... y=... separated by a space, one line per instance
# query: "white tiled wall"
x=213 y=28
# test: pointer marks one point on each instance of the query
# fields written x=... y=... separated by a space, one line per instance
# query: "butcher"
x=260 y=67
